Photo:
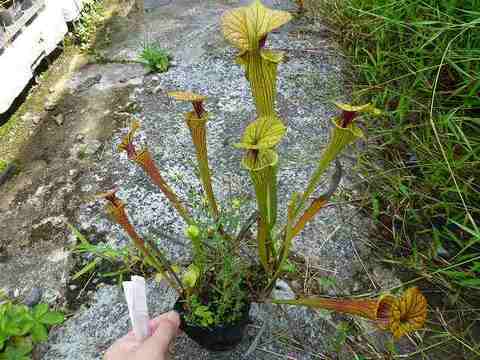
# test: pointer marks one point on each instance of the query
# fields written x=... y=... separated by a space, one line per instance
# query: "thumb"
x=156 y=346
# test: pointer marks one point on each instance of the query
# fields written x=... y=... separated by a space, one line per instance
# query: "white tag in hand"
x=135 y=294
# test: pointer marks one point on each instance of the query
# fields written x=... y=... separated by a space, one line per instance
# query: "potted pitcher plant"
x=215 y=291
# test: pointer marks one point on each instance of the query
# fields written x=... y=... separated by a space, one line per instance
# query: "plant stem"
x=339 y=139
x=145 y=160
x=365 y=308
x=262 y=75
x=161 y=264
x=265 y=184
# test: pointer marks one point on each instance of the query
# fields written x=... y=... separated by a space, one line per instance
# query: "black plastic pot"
x=218 y=338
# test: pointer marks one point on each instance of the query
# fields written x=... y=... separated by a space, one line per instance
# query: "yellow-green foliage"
x=3 y=165
x=22 y=327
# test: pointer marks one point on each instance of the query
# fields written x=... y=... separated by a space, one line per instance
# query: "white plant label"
x=135 y=293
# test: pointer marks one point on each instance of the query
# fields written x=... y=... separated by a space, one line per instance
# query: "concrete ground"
x=65 y=163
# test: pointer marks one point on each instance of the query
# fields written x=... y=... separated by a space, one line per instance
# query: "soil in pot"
x=218 y=338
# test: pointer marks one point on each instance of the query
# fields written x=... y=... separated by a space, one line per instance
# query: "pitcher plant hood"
x=398 y=314
x=264 y=133
x=145 y=160
x=196 y=100
x=350 y=112
x=127 y=142
x=246 y=27
x=408 y=313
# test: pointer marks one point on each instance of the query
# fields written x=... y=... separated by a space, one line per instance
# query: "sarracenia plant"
x=247 y=29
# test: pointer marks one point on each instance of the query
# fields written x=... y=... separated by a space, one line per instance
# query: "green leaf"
x=86 y=269
x=39 y=310
x=23 y=345
x=472 y=282
x=288 y=267
x=19 y=349
x=17 y=321
x=78 y=234
x=326 y=282
x=190 y=277
x=3 y=340
x=52 y=318
x=39 y=333
x=24 y=327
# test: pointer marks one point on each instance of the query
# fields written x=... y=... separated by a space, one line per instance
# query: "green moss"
x=3 y=165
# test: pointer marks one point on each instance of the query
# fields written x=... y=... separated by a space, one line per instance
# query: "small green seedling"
x=154 y=58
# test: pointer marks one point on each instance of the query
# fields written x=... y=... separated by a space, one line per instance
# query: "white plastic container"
x=71 y=8
x=28 y=44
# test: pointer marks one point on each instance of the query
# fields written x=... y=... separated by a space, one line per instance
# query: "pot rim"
x=245 y=318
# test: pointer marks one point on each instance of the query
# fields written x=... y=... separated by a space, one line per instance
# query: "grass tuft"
x=154 y=58
x=420 y=60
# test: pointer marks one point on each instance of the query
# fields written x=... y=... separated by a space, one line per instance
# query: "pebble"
x=93 y=147
x=59 y=119
x=34 y=297
x=50 y=105
x=283 y=290
x=331 y=291
x=80 y=137
x=135 y=81
x=378 y=272
x=33 y=117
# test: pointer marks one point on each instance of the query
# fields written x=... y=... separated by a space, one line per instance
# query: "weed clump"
x=154 y=58
x=22 y=327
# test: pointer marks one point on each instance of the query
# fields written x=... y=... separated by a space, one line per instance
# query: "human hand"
x=163 y=328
